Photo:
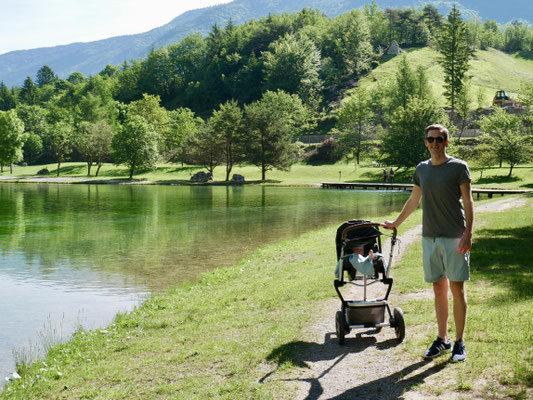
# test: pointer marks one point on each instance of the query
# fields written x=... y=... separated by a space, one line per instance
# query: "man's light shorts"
x=442 y=259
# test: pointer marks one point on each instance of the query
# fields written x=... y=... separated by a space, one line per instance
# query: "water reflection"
x=71 y=250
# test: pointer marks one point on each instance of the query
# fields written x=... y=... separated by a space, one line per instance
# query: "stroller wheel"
x=399 y=324
x=339 y=326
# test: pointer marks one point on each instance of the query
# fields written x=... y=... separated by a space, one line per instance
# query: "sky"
x=28 y=24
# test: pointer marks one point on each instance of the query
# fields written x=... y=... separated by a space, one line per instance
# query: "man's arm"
x=465 y=244
x=410 y=205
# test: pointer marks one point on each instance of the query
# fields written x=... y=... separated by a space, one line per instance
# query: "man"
x=446 y=234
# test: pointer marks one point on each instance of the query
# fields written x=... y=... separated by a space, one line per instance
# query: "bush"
x=325 y=153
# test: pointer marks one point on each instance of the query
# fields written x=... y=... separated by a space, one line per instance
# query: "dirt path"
x=372 y=365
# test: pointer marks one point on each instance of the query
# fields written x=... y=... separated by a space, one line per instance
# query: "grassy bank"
x=300 y=174
x=219 y=337
x=491 y=70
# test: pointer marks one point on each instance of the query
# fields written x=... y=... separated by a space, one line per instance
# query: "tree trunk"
x=58 y=166
x=89 y=165
x=228 y=172
x=511 y=170
x=263 y=171
x=131 y=172
x=98 y=169
x=11 y=169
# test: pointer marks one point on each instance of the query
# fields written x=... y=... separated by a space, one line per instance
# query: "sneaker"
x=458 y=353
x=438 y=347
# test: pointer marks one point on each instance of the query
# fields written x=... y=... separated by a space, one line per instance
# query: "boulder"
x=237 y=178
x=43 y=171
x=202 y=176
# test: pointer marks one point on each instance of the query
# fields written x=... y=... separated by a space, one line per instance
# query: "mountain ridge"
x=91 y=57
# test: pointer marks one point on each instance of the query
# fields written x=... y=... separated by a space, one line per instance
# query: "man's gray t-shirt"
x=443 y=214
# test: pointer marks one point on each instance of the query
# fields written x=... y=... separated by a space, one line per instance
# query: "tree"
x=45 y=76
x=465 y=102
x=183 y=125
x=76 y=78
x=346 y=47
x=273 y=123
x=29 y=93
x=506 y=136
x=7 y=100
x=156 y=74
x=227 y=125
x=135 y=144
x=150 y=109
x=33 y=147
x=403 y=143
x=354 y=123
x=59 y=139
x=455 y=54
x=483 y=155
x=405 y=85
x=204 y=149
x=432 y=18
x=94 y=143
x=292 y=65
x=11 y=138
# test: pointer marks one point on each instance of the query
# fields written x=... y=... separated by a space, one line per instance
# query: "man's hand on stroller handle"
x=390 y=224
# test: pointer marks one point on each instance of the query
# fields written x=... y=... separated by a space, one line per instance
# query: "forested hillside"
x=90 y=58
x=245 y=93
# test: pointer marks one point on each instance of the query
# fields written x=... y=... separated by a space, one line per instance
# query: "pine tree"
x=46 y=76
x=455 y=54
x=7 y=100
x=29 y=93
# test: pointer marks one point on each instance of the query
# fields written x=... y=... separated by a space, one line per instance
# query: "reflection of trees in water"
x=160 y=236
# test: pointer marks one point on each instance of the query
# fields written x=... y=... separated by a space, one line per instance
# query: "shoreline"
x=170 y=182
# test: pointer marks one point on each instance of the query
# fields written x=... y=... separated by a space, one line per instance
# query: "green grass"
x=299 y=174
x=499 y=333
x=491 y=70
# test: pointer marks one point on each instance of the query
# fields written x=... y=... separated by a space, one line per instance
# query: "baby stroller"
x=364 y=313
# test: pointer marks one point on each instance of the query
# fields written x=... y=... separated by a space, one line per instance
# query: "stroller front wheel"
x=399 y=324
x=339 y=327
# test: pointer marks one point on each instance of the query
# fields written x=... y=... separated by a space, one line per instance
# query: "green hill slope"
x=490 y=70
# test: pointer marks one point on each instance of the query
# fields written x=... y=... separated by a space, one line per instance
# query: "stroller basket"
x=366 y=312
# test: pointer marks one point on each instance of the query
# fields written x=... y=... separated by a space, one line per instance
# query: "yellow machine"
x=502 y=99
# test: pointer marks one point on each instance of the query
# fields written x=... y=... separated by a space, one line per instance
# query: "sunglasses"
x=438 y=139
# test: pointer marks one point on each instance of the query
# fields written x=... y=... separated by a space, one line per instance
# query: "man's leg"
x=440 y=288
x=459 y=308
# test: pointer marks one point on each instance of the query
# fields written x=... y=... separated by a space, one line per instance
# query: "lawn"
x=299 y=174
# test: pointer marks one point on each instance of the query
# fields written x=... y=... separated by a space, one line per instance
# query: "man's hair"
x=438 y=127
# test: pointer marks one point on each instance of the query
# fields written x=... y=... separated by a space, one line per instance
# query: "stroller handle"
x=352 y=227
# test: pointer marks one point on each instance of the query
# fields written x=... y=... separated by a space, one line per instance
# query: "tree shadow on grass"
x=70 y=170
x=300 y=353
x=497 y=179
x=503 y=257
x=528 y=55
x=174 y=170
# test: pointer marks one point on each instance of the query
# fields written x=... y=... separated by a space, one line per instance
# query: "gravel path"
x=372 y=365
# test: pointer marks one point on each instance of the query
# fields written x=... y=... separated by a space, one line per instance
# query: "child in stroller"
x=356 y=261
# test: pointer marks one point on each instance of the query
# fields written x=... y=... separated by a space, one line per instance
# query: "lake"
x=74 y=255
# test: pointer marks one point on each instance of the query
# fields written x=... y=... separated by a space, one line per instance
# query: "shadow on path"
x=389 y=387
